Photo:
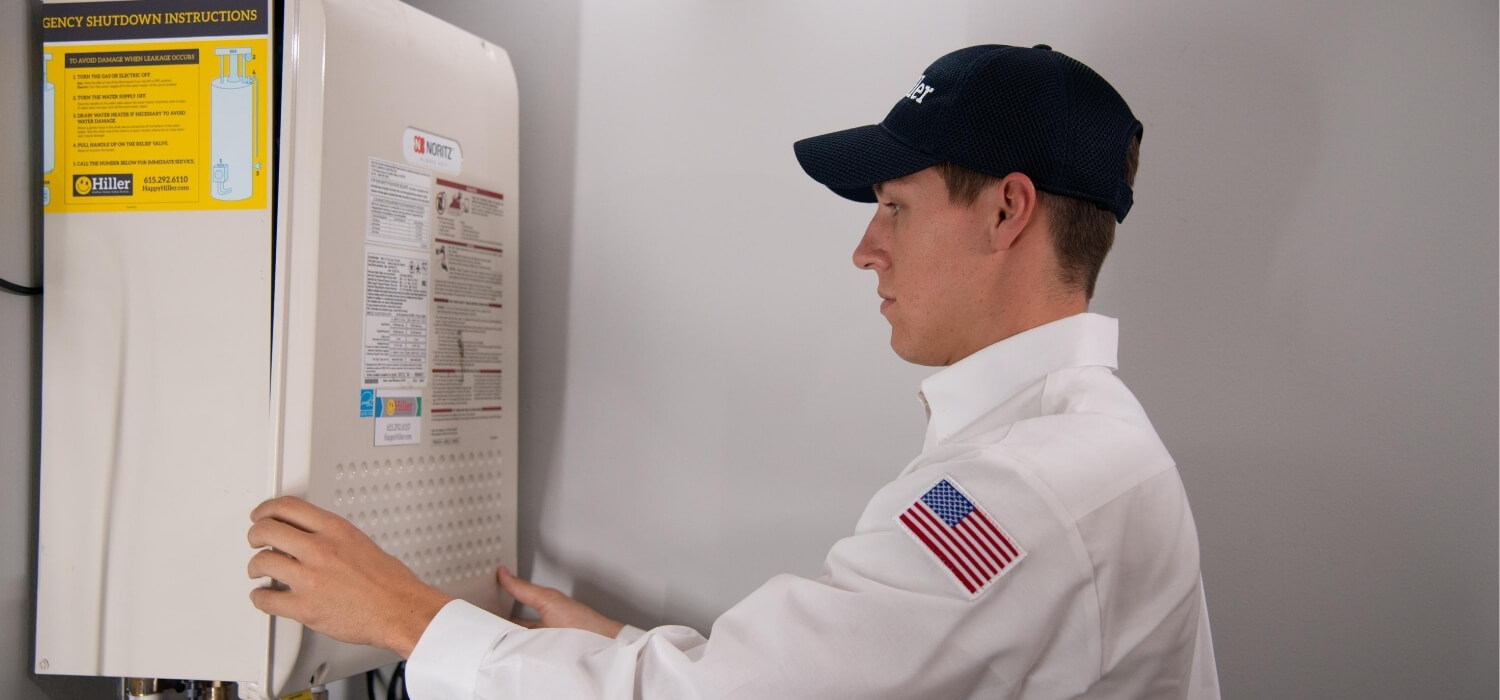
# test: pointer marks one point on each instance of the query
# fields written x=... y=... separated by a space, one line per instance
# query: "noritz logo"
x=440 y=150
x=431 y=146
x=104 y=185
x=429 y=150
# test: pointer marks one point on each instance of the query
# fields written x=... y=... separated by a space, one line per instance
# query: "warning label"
x=176 y=119
x=468 y=309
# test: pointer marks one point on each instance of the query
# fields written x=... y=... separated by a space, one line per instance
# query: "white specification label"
x=400 y=198
x=396 y=321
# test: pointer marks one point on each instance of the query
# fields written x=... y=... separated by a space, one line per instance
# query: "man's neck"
x=1024 y=317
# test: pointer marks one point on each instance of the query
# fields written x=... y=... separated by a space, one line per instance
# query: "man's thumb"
x=528 y=593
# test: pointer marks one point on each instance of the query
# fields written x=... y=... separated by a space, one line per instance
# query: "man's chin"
x=914 y=354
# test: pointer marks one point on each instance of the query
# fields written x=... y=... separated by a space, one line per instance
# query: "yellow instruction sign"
x=150 y=106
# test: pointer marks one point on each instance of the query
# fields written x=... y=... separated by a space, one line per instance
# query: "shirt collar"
x=969 y=388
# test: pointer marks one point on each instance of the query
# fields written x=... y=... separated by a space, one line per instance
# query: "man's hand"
x=338 y=581
x=555 y=608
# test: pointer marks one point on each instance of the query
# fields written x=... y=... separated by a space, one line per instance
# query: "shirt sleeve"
x=629 y=633
x=450 y=650
x=886 y=620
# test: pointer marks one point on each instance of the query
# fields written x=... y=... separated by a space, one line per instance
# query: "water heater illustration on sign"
x=233 y=126
x=49 y=105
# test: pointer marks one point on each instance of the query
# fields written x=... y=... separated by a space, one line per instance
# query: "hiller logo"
x=104 y=185
x=920 y=91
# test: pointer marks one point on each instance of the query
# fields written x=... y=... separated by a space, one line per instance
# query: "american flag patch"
x=960 y=535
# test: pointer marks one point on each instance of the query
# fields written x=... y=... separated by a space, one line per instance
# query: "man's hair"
x=1082 y=232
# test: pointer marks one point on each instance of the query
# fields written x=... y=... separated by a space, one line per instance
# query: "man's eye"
x=894 y=207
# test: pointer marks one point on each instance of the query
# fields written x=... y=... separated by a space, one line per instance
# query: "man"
x=1040 y=546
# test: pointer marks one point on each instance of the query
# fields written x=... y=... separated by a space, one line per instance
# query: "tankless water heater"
x=280 y=257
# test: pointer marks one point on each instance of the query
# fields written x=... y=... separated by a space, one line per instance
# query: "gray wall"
x=20 y=356
x=1307 y=288
x=18 y=333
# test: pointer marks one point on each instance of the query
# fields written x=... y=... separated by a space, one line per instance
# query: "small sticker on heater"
x=366 y=403
x=398 y=418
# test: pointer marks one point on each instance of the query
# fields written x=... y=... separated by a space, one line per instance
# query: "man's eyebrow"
x=879 y=187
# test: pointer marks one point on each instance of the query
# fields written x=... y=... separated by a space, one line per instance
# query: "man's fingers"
x=296 y=512
x=528 y=624
x=274 y=602
x=269 y=532
x=526 y=592
x=273 y=564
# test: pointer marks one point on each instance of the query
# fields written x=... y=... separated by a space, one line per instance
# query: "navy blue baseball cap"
x=996 y=110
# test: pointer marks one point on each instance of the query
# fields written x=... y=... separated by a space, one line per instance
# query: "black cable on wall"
x=14 y=288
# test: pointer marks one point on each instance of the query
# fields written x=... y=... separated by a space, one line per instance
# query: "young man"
x=1040 y=546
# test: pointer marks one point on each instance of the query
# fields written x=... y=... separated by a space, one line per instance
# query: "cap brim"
x=851 y=162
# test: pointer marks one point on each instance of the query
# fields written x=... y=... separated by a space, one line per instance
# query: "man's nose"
x=868 y=255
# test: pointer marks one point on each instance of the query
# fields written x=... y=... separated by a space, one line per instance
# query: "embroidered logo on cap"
x=920 y=91
x=961 y=536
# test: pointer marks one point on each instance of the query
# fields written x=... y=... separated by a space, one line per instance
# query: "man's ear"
x=1009 y=203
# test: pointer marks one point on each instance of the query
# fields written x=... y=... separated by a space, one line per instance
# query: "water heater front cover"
x=398 y=334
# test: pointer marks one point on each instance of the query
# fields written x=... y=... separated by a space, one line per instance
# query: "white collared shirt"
x=1041 y=546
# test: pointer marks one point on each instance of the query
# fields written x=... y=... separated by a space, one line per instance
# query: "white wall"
x=1307 y=287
